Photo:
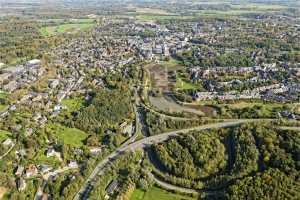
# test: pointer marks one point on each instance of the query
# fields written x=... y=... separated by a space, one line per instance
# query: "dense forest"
x=231 y=59
x=21 y=40
x=157 y=124
x=106 y=109
x=245 y=162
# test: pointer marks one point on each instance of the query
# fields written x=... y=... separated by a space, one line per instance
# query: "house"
x=50 y=152
x=113 y=185
x=38 y=97
x=37 y=117
x=44 y=168
x=21 y=184
x=95 y=150
x=12 y=107
x=28 y=131
x=73 y=165
x=34 y=62
x=31 y=170
x=157 y=49
x=21 y=152
x=19 y=171
x=127 y=130
x=59 y=107
x=42 y=121
x=53 y=83
x=8 y=142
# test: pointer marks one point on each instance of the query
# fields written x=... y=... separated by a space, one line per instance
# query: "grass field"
x=181 y=84
x=156 y=193
x=40 y=157
x=259 y=7
x=147 y=17
x=4 y=135
x=3 y=94
x=173 y=64
x=154 y=11
x=73 y=104
x=77 y=25
x=70 y=136
x=3 y=107
x=244 y=104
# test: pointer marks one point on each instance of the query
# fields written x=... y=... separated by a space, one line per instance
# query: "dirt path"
x=3 y=190
x=9 y=150
x=164 y=104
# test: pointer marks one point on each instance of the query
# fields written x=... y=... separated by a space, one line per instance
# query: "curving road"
x=132 y=146
x=173 y=187
x=8 y=151
x=165 y=115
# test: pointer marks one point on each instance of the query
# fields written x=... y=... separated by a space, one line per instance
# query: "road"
x=173 y=187
x=9 y=150
x=165 y=115
x=132 y=146
x=87 y=187
x=290 y=128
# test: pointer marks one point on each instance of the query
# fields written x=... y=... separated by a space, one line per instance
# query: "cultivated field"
x=159 y=194
x=75 y=25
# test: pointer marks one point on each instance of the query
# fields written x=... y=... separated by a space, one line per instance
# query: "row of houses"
x=264 y=92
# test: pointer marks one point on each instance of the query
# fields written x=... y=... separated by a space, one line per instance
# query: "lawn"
x=70 y=136
x=4 y=135
x=3 y=94
x=181 y=84
x=173 y=64
x=2 y=107
x=40 y=157
x=63 y=28
x=159 y=194
x=73 y=104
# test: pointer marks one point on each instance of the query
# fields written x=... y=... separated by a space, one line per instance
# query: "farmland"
x=78 y=25
x=158 y=193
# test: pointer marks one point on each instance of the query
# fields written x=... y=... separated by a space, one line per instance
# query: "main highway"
x=132 y=145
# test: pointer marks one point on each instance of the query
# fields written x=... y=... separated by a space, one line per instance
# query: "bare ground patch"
x=164 y=104
x=159 y=77
x=3 y=190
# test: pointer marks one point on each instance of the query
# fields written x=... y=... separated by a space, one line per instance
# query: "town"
x=107 y=105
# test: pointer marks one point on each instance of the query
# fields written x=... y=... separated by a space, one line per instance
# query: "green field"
x=181 y=84
x=4 y=135
x=268 y=106
x=73 y=104
x=173 y=64
x=77 y=25
x=156 y=193
x=40 y=157
x=2 y=107
x=70 y=136
x=161 y=17
x=3 y=94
